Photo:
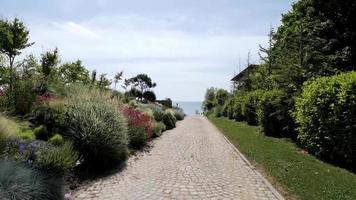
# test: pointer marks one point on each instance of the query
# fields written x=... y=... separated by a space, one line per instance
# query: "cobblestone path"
x=193 y=161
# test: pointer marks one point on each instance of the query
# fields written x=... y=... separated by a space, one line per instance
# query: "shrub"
x=98 y=132
x=23 y=98
x=326 y=115
x=149 y=96
x=137 y=118
x=169 y=120
x=249 y=107
x=236 y=108
x=274 y=115
x=217 y=111
x=57 y=159
x=178 y=113
x=52 y=115
x=167 y=102
x=137 y=136
x=27 y=135
x=159 y=128
x=21 y=182
x=56 y=139
x=41 y=133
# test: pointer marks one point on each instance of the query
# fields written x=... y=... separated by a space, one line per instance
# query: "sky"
x=185 y=46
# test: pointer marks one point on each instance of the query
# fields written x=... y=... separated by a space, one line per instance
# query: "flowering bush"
x=138 y=118
x=140 y=126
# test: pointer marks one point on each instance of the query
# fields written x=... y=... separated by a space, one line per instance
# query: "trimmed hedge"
x=326 y=115
x=274 y=115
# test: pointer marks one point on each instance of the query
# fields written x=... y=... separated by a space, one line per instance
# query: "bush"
x=27 y=135
x=138 y=118
x=169 y=120
x=149 y=96
x=159 y=128
x=178 y=113
x=137 y=136
x=24 y=97
x=41 y=133
x=326 y=115
x=21 y=182
x=236 y=108
x=98 y=132
x=57 y=159
x=274 y=114
x=56 y=140
x=249 y=107
x=52 y=115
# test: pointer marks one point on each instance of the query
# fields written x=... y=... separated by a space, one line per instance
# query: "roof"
x=244 y=72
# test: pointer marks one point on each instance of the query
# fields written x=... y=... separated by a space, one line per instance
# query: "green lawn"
x=301 y=176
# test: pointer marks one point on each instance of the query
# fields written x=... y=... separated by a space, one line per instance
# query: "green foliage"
x=167 y=102
x=57 y=159
x=23 y=96
x=74 y=72
x=178 y=113
x=27 y=135
x=41 y=133
x=8 y=127
x=221 y=96
x=249 y=107
x=159 y=128
x=326 y=115
x=274 y=115
x=169 y=120
x=137 y=136
x=51 y=115
x=21 y=182
x=56 y=139
x=98 y=132
x=149 y=96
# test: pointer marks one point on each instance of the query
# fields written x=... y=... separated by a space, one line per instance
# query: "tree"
x=149 y=96
x=104 y=82
x=209 y=100
x=142 y=82
x=49 y=61
x=221 y=96
x=118 y=77
x=74 y=72
x=13 y=39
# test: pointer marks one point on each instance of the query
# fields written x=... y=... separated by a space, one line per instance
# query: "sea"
x=190 y=107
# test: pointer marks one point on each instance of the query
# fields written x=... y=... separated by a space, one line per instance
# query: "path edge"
x=238 y=153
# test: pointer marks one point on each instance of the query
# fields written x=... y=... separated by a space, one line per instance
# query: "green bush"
x=274 y=115
x=27 y=135
x=56 y=139
x=249 y=107
x=159 y=128
x=326 y=115
x=51 y=115
x=169 y=120
x=178 y=113
x=23 y=97
x=217 y=111
x=20 y=182
x=41 y=133
x=57 y=159
x=137 y=136
x=236 y=108
x=99 y=133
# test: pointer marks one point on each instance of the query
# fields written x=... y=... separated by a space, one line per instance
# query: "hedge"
x=326 y=115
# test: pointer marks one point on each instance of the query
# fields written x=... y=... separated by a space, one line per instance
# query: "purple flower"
x=68 y=196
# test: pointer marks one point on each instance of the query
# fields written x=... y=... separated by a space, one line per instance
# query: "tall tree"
x=14 y=38
x=141 y=82
x=74 y=72
x=118 y=77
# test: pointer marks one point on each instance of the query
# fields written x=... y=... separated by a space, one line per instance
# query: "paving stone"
x=192 y=161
